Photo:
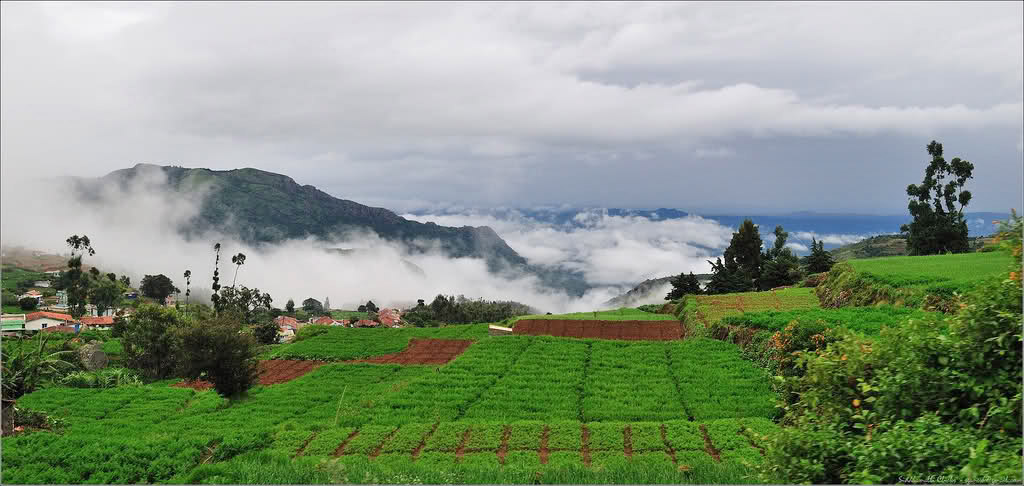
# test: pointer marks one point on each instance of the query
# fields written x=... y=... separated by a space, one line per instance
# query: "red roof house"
x=366 y=323
x=49 y=315
x=389 y=317
x=63 y=329
x=98 y=322
x=324 y=320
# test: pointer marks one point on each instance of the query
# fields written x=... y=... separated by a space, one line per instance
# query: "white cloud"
x=831 y=239
x=797 y=246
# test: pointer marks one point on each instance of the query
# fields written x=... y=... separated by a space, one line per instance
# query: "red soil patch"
x=708 y=446
x=423 y=351
x=626 y=330
x=627 y=441
x=544 y=452
x=585 y=450
x=503 y=450
x=272 y=372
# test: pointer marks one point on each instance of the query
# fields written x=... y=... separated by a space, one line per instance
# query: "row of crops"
x=538 y=401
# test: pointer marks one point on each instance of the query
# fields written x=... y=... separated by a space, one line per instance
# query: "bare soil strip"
x=423 y=443
x=708 y=446
x=668 y=447
x=272 y=372
x=341 y=448
x=585 y=449
x=623 y=330
x=543 y=453
x=460 y=451
x=298 y=453
x=422 y=352
x=627 y=441
x=503 y=449
x=380 y=447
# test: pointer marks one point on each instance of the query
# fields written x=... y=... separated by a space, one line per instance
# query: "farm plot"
x=662 y=330
x=713 y=308
x=939 y=274
x=865 y=320
x=623 y=314
x=423 y=351
x=345 y=344
x=272 y=372
x=508 y=409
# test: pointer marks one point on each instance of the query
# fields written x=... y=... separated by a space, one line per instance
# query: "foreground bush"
x=218 y=351
x=106 y=378
x=149 y=342
x=935 y=396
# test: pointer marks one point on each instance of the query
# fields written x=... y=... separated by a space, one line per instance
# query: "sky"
x=706 y=107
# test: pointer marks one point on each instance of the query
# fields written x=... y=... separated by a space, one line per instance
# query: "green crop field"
x=510 y=409
x=10 y=276
x=942 y=274
x=865 y=320
x=711 y=309
x=342 y=343
x=344 y=314
x=623 y=314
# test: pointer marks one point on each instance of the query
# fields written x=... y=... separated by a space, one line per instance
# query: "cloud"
x=830 y=239
x=798 y=247
x=490 y=104
x=609 y=250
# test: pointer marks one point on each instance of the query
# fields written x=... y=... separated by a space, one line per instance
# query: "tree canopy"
x=682 y=285
x=939 y=225
x=157 y=287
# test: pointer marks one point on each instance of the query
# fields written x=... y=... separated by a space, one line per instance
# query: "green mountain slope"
x=262 y=207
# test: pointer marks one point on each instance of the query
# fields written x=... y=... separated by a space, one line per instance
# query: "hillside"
x=887 y=245
x=262 y=207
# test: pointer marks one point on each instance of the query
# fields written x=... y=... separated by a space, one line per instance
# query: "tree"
x=726 y=278
x=157 y=287
x=126 y=281
x=238 y=260
x=780 y=267
x=112 y=277
x=74 y=280
x=216 y=279
x=289 y=307
x=265 y=332
x=218 y=351
x=682 y=285
x=188 y=282
x=150 y=341
x=104 y=294
x=312 y=306
x=28 y=303
x=371 y=307
x=740 y=267
x=819 y=260
x=244 y=302
x=939 y=226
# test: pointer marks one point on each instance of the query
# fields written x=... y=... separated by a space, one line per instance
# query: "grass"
x=622 y=314
x=711 y=309
x=11 y=276
x=865 y=320
x=342 y=343
x=512 y=390
x=942 y=274
x=345 y=314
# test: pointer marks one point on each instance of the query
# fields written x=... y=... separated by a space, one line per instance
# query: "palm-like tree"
x=238 y=260
x=24 y=369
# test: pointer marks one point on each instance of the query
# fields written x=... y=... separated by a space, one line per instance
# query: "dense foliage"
x=682 y=285
x=460 y=310
x=157 y=287
x=932 y=396
x=938 y=228
x=819 y=260
x=150 y=341
x=218 y=351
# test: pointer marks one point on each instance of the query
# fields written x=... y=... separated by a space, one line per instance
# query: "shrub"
x=107 y=378
x=265 y=332
x=28 y=303
x=218 y=350
x=149 y=341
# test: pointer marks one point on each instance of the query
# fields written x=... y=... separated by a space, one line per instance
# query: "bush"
x=265 y=332
x=107 y=378
x=928 y=397
x=218 y=351
x=149 y=341
x=28 y=303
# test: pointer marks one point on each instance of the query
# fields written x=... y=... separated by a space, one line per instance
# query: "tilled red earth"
x=625 y=330
x=272 y=372
x=423 y=351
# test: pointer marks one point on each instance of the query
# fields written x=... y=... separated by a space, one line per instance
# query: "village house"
x=62 y=329
x=32 y=294
x=390 y=317
x=12 y=324
x=102 y=323
x=38 y=321
x=322 y=320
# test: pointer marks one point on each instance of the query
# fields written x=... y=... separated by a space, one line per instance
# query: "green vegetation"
x=386 y=423
x=349 y=315
x=875 y=246
x=335 y=343
x=938 y=229
x=912 y=281
x=623 y=314
x=865 y=320
x=710 y=309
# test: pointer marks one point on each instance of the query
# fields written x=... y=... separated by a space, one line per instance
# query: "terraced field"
x=710 y=309
x=509 y=409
